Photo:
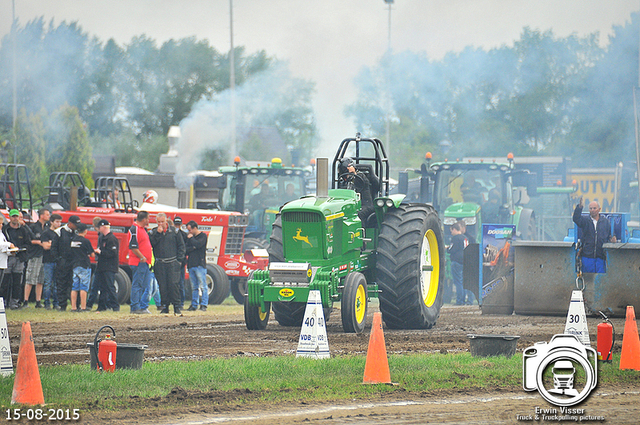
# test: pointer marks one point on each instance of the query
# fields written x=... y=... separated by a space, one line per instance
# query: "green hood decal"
x=462 y=209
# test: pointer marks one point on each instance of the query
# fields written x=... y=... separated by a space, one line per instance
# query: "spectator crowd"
x=51 y=263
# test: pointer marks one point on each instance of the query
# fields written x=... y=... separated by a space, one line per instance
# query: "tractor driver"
x=350 y=178
x=262 y=199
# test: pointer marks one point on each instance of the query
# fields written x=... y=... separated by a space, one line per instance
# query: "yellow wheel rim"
x=429 y=268
x=360 y=304
x=262 y=314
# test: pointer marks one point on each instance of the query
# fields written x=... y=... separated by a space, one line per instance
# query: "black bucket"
x=493 y=345
x=128 y=356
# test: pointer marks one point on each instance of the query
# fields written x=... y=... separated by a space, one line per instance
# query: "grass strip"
x=281 y=379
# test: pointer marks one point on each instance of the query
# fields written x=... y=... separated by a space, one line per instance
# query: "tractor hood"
x=460 y=210
x=314 y=229
x=339 y=202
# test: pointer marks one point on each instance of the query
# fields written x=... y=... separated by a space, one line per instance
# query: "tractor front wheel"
x=254 y=317
x=410 y=267
x=354 y=303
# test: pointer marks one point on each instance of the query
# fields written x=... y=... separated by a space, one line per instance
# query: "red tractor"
x=111 y=199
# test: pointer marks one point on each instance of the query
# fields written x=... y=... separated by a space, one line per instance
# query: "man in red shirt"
x=139 y=259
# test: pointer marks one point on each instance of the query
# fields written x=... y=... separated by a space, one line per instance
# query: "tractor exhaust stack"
x=322 y=177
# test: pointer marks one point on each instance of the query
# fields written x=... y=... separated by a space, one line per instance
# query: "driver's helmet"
x=150 y=196
x=344 y=164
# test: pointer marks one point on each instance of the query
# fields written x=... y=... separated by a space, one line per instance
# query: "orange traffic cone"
x=630 y=357
x=376 y=370
x=27 y=388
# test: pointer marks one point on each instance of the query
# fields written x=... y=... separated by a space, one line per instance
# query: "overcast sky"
x=328 y=41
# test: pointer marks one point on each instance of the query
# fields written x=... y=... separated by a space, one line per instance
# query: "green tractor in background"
x=480 y=192
x=477 y=192
x=258 y=189
x=319 y=242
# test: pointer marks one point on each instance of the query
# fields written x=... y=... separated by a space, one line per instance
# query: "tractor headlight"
x=469 y=221
x=380 y=203
x=449 y=221
x=389 y=203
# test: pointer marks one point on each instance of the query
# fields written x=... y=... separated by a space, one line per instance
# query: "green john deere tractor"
x=320 y=243
x=258 y=189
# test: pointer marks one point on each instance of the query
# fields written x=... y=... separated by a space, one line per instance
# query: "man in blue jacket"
x=596 y=230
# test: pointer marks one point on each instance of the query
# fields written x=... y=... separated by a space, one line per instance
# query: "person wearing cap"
x=20 y=236
x=351 y=178
x=196 y=248
x=108 y=263
x=35 y=274
x=177 y=221
x=81 y=252
x=64 y=270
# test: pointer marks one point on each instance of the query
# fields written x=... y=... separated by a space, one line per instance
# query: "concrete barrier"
x=545 y=276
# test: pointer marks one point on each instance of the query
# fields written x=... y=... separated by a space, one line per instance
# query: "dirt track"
x=220 y=332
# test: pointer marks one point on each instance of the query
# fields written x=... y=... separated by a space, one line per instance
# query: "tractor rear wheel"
x=354 y=303
x=122 y=283
x=410 y=267
x=238 y=288
x=286 y=313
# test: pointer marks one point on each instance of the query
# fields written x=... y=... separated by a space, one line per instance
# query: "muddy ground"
x=220 y=332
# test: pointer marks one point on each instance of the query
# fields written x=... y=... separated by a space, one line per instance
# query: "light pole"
x=387 y=124
x=389 y=2
x=635 y=110
x=13 y=59
x=232 y=84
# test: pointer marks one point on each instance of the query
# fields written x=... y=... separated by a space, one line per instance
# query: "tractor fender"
x=397 y=199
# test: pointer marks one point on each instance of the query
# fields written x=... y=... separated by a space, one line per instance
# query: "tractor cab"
x=370 y=159
x=473 y=192
x=477 y=191
x=483 y=192
x=65 y=189
x=114 y=192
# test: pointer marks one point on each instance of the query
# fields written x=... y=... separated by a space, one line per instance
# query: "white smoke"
x=258 y=101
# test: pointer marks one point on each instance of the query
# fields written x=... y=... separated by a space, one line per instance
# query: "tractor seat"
x=374 y=183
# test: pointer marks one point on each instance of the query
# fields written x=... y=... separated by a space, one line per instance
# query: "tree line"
x=119 y=100
x=544 y=95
